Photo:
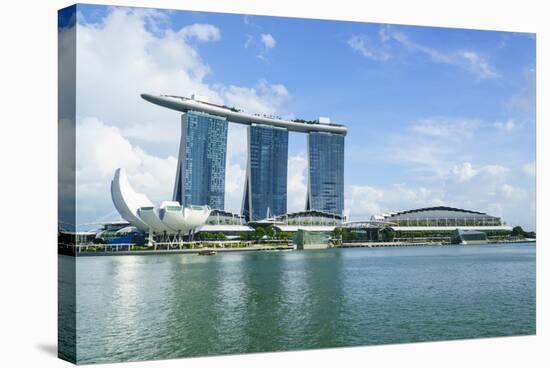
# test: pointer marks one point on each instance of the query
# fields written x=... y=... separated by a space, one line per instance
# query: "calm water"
x=152 y=307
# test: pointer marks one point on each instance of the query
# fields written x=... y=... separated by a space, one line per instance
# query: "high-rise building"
x=325 y=191
x=201 y=167
x=200 y=176
x=265 y=192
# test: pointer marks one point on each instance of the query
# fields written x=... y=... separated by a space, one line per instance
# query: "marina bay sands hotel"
x=200 y=176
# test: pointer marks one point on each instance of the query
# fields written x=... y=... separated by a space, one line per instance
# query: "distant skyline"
x=435 y=116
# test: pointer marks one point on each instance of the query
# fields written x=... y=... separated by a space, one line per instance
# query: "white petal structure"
x=181 y=219
x=127 y=201
x=196 y=216
x=140 y=212
x=150 y=215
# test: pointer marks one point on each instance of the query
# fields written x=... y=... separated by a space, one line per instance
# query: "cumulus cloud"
x=511 y=193
x=259 y=41
x=364 y=201
x=443 y=165
x=297 y=183
x=237 y=143
x=120 y=57
x=201 y=32
x=132 y=51
x=163 y=131
x=267 y=43
x=463 y=172
x=495 y=171
x=234 y=187
x=484 y=188
x=101 y=149
x=264 y=98
x=235 y=169
x=268 y=40
x=433 y=146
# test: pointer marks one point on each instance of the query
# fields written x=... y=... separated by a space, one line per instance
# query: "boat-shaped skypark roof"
x=233 y=115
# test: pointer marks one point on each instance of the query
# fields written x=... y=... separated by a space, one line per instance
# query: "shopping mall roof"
x=433 y=213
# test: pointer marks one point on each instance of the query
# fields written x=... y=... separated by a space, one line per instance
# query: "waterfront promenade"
x=87 y=250
x=167 y=248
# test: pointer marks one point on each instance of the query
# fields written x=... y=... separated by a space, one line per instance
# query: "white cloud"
x=511 y=193
x=442 y=170
x=363 y=201
x=123 y=55
x=119 y=58
x=237 y=143
x=435 y=146
x=388 y=39
x=200 y=32
x=478 y=65
x=468 y=60
x=268 y=40
x=165 y=131
x=506 y=126
x=486 y=189
x=361 y=44
x=101 y=149
x=463 y=172
x=235 y=169
x=429 y=146
x=297 y=183
x=264 y=99
x=234 y=187
x=495 y=171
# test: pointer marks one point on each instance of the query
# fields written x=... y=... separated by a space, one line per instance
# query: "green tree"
x=270 y=232
x=518 y=232
x=389 y=234
x=259 y=233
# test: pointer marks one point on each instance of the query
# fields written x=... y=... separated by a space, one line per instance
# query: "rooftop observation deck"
x=233 y=115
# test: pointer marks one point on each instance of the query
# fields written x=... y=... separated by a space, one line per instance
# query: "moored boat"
x=207 y=252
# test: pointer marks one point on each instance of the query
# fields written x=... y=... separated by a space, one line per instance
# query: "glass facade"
x=326 y=172
x=200 y=177
x=266 y=179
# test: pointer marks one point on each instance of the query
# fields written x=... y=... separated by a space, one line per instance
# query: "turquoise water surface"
x=166 y=306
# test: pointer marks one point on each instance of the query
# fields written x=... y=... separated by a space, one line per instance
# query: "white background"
x=28 y=181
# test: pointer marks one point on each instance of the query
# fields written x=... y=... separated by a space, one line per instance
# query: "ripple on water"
x=149 y=307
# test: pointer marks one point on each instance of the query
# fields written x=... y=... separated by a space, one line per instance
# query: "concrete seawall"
x=181 y=251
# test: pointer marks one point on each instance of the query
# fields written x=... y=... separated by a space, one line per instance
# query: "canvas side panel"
x=66 y=184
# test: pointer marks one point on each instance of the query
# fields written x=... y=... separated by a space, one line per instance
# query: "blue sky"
x=435 y=116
